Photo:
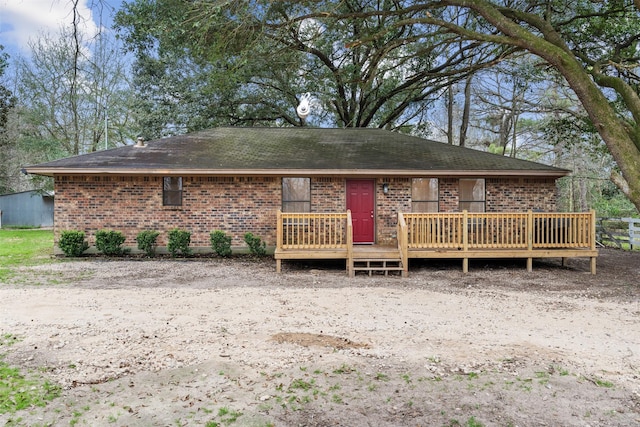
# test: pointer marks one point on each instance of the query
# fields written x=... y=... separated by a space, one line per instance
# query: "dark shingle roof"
x=309 y=151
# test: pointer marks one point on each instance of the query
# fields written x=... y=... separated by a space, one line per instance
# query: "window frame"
x=472 y=202
x=415 y=200
x=172 y=196
x=306 y=201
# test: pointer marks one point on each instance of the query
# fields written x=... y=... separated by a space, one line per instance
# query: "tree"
x=593 y=45
x=257 y=59
x=65 y=100
x=7 y=102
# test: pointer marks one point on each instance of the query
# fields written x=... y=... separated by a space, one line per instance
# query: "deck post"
x=403 y=245
x=350 y=269
x=592 y=236
x=530 y=239
x=465 y=240
x=465 y=231
x=279 y=231
x=530 y=230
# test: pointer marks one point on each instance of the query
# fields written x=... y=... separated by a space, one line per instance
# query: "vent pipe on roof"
x=140 y=142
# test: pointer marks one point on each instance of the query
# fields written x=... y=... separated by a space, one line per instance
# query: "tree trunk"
x=464 y=126
x=450 y=115
x=609 y=126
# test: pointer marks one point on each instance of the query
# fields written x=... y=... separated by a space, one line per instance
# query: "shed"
x=26 y=209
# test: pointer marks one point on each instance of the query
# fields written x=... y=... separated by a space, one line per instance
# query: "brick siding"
x=132 y=204
x=237 y=205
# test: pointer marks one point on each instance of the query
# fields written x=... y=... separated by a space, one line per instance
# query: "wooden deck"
x=457 y=235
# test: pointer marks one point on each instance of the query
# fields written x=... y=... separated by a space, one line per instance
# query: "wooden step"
x=377 y=264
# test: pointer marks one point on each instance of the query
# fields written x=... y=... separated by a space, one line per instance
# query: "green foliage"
x=179 y=241
x=109 y=242
x=221 y=243
x=256 y=245
x=25 y=247
x=72 y=243
x=18 y=391
x=612 y=203
x=223 y=52
x=147 y=242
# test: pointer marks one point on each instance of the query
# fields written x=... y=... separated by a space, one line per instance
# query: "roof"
x=31 y=193
x=295 y=151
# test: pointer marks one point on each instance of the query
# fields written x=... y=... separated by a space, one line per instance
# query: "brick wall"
x=398 y=199
x=520 y=194
x=328 y=194
x=238 y=205
x=133 y=204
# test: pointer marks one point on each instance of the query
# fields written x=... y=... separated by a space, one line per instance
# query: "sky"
x=22 y=20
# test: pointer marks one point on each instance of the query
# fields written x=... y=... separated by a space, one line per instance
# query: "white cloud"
x=22 y=20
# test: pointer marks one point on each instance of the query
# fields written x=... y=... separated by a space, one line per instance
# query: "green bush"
x=110 y=242
x=72 y=243
x=147 y=242
x=221 y=243
x=256 y=245
x=179 y=241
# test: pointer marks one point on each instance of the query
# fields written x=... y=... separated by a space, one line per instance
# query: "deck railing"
x=314 y=230
x=504 y=230
x=462 y=235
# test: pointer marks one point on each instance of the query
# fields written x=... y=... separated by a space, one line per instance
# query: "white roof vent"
x=140 y=142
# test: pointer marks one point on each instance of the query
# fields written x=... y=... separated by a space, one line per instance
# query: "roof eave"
x=555 y=173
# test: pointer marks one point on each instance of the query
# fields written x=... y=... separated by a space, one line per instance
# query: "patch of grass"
x=18 y=391
x=406 y=378
x=344 y=369
x=472 y=422
x=24 y=247
x=543 y=377
x=7 y=340
x=301 y=385
x=601 y=383
x=228 y=416
x=382 y=377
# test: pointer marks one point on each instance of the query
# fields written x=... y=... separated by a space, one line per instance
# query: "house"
x=238 y=179
x=26 y=209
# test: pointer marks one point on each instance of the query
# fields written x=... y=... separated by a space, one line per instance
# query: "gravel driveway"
x=230 y=342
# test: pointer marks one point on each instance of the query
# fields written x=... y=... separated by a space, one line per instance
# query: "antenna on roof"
x=304 y=108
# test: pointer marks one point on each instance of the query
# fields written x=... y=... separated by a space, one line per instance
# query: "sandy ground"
x=230 y=342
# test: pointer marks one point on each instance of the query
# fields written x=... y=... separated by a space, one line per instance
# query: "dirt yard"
x=232 y=343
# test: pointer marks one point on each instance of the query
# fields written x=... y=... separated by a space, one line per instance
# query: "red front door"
x=360 y=200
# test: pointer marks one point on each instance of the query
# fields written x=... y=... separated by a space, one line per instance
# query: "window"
x=472 y=195
x=172 y=191
x=296 y=194
x=424 y=195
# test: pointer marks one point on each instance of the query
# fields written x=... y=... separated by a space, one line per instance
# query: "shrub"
x=72 y=243
x=110 y=242
x=147 y=242
x=221 y=243
x=179 y=241
x=256 y=245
